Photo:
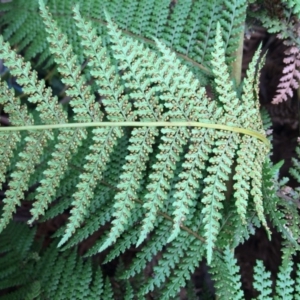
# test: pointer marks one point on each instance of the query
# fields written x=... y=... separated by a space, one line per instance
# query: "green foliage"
x=262 y=281
x=285 y=287
x=176 y=163
x=48 y=274
x=226 y=274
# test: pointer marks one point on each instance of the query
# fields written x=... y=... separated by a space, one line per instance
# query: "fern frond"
x=226 y=274
x=224 y=86
x=104 y=139
x=85 y=278
x=177 y=254
x=96 y=289
x=188 y=186
x=9 y=16
x=127 y=54
x=158 y=240
x=69 y=181
x=232 y=20
x=295 y=6
x=158 y=19
x=182 y=273
x=291 y=77
x=218 y=174
x=94 y=220
x=116 y=102
x=128 y=239
x=256 y=182
x=224 y=151
x=262 y=281
x=284 y=283
x=170 y=258
x=13 y=254
x=266 y=119
x=245 y=154
x=129 y=295
x=62 y=290
x=107 y=292
x=84 y=106
x=100 y=210
x=126 y=13
x=176 y=23
x=18 y=116
x=241 y=177
x=68 y=277
x=83 y=101
x=275 y=207
x=250 y=93
x=35 y=291
x=124 y=185
x=62 y=282
x=172 y=83
x=123 y=243
x=141 y=145
x=191 y=31
x=142 y=16
x=50 y=112
x=23 y=37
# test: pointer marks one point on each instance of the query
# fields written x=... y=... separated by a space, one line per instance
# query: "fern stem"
x=166 y=216
x=140 y=124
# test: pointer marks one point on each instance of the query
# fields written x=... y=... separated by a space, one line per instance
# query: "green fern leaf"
x=142 y=139
x=218 y=174
x=158 y=19
x=17 y=116
x=226 y=274
x=176 y=23
x=84 y=106
x=256 y=182
x=182 y=274
x=170 y=259
x=50 y=112
x=104 y=139
x=263 y=282
x=183 y=108
x=107 y=292
x=284 y=283
x=158 y=240
x=142 y=17
x=245 y=153
x=297 y=282
x=96 y=290
x=232 y=20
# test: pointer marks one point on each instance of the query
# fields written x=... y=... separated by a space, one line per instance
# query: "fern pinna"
x=284 y=21
x=144 y=147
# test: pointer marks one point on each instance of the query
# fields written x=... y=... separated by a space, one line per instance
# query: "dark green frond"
x=226 y=274
x=262 y=281
x=284 y=283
